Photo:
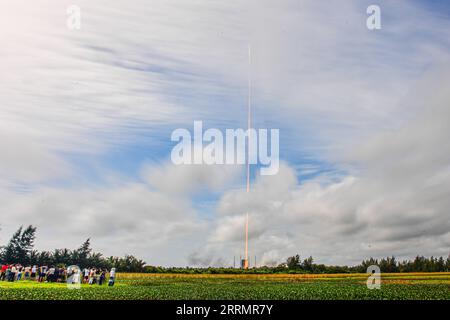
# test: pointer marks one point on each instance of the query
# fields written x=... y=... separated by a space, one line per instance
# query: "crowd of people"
x=17 y=272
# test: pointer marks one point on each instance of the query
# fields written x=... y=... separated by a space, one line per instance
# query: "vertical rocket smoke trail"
x=248 y=152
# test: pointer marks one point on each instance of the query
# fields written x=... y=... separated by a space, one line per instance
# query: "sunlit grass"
x=419 y=286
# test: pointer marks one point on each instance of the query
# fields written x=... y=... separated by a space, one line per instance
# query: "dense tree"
x=43 y=258
x=293 y=262
x=20 y=246
x=388 y=264
x=307 y=264
x=20 y=250
x=9 y=251
x=81 y=255
x=62 y=257
x=127 y=264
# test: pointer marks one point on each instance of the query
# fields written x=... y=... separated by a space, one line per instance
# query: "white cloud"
x=396 y=205
x=191 y=179
x=317 y=73
x=130 y=218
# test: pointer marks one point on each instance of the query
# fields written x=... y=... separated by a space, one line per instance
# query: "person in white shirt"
x=112 y=277
x=12 y=276
x=33 y=272
x=76 y=277
x=86 y=275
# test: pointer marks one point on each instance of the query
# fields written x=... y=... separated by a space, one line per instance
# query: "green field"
x=229 y=287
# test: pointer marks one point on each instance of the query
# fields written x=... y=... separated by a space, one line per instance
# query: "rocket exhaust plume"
x=249 y=124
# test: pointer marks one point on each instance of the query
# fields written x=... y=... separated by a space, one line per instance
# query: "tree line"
x=295 y=265
x=20 y=250
x=388 y=265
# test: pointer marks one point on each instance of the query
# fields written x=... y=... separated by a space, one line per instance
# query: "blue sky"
x=87 y=117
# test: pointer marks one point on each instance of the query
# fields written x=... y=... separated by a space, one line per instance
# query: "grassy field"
x=229 y=287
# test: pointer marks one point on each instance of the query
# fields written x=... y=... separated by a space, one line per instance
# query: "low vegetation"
x=421 y=286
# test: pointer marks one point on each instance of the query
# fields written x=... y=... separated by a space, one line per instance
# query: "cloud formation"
x=370 y=104
x=396 y=204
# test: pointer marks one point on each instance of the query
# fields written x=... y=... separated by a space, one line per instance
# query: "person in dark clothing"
x=41 y=273
x=56 y=275
x=102 y=277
